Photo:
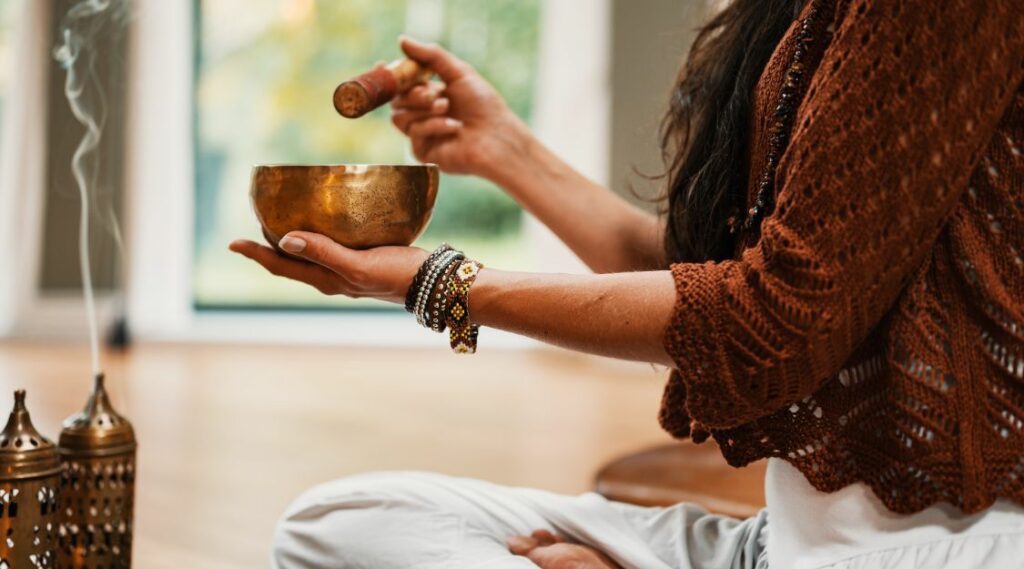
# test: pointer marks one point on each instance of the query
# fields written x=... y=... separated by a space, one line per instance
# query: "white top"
x=811 y=529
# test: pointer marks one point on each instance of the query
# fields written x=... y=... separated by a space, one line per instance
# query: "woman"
x=838 y=286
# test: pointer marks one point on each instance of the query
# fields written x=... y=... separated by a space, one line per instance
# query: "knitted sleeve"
x=883 y=145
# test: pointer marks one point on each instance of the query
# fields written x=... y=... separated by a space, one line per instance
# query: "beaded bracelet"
x=417 y=281
x=462 y=334
x=414 y=298
x=447 y=259
x=437 y=311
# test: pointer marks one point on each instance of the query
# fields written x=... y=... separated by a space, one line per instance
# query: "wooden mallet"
x=356 y=97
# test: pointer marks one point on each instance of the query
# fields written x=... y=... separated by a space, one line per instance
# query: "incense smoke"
x=76 y=53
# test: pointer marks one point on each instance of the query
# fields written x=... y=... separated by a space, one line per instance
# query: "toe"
x=521 y=544
x=545 y=537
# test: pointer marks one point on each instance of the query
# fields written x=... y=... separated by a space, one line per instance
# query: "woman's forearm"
x=619 y=315
x=605 y=231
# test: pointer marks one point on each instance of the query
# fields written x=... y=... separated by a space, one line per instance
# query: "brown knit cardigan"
x=873 y=331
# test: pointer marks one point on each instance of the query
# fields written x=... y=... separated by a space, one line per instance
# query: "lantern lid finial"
x=98 y=429
x=24 y=453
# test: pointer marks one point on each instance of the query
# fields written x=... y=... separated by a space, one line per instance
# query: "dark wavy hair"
x=704 y=133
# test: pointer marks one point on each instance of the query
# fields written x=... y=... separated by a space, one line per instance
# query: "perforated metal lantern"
x=97 y=448
x=29 y=479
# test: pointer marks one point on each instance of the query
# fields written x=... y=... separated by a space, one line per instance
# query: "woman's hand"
x=383 y=273
x=462 y=125
x=465 y=127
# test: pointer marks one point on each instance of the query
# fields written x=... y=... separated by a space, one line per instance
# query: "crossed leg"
x=414 y=519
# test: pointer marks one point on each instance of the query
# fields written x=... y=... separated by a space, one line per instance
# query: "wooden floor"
x=229 y=435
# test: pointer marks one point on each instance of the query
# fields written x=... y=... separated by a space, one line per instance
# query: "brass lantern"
x=29 y=479
x=97 y=486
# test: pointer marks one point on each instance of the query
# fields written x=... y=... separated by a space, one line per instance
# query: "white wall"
x=159 y=170
x=22 y=161
x=572 y=105
x=648 y=46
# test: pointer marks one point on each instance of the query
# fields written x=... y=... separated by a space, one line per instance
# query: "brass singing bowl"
x=357 y=205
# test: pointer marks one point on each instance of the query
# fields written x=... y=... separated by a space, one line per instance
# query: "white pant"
x=425 y=521
x=422 y=520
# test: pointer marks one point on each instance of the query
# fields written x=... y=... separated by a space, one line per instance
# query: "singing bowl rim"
x=428 y=191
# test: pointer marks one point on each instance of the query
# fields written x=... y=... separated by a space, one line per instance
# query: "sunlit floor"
x=230 y=434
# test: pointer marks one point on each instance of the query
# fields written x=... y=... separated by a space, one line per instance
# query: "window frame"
x=160 y=175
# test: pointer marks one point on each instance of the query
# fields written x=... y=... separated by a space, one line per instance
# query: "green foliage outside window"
x=265 y=73
x=8 y=14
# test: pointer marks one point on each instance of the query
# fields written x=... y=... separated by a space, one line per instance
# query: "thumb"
x=318 y=249
x=448 y=67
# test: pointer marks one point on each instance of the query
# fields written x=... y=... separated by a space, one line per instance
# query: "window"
x=266 y=72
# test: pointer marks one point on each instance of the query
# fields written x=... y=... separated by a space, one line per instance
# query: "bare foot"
x=549 y=551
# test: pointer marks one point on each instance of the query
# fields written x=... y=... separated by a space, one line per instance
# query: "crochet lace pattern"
x=873 y=329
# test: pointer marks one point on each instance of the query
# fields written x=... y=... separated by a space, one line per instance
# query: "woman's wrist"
x=514 y=150
x=438 y=296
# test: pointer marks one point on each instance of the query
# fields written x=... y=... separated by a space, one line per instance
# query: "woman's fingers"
x=436 y=126
x=419 y=98
x=436 y=150
x=322 y=251
x=403 y=119
x=448 y=67
x=314 y=275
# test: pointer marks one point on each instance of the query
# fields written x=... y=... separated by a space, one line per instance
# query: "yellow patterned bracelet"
x=462 y=334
